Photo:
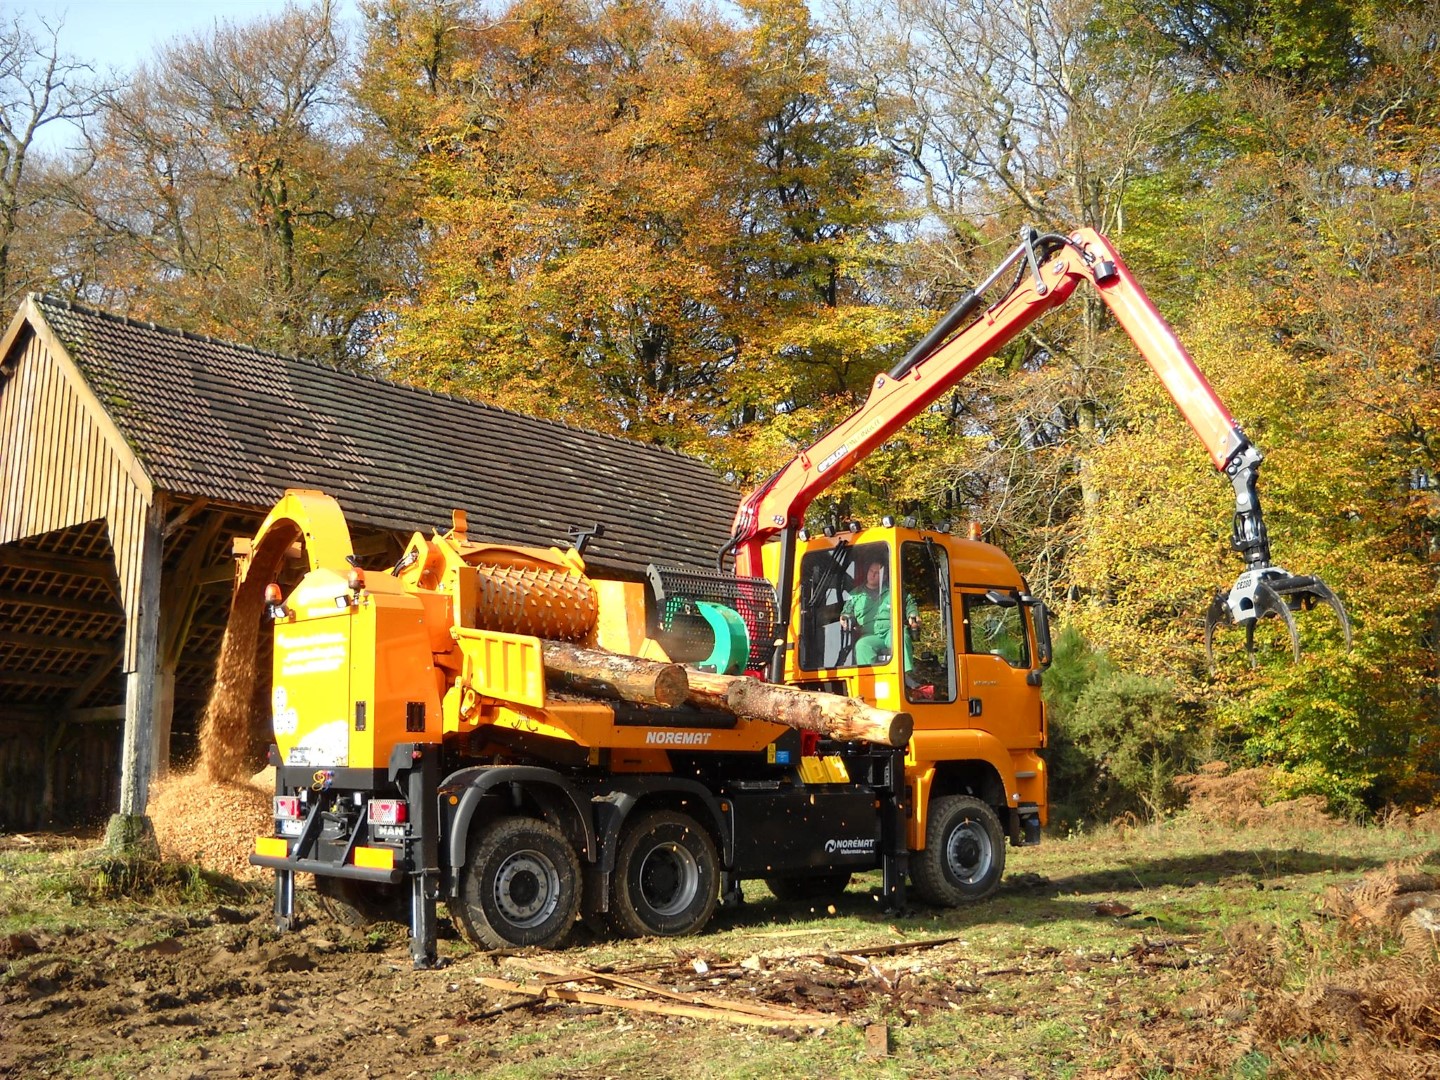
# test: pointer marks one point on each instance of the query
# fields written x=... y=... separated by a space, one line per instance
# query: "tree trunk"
x=605 y=674
x=831 y=715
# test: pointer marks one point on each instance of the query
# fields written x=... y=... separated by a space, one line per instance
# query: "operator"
x=867 y=615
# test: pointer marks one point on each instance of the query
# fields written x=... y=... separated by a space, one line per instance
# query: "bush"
x=1117 y=739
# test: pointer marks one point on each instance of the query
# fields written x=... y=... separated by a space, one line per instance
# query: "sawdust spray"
x=226 y=730
x=212 y=815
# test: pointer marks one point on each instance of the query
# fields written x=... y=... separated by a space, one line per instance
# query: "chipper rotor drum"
x=545 y=602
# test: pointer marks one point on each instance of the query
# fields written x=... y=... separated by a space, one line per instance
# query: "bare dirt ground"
x=1189 y=948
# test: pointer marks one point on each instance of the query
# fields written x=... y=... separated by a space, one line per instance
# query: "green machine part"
x=732 y=640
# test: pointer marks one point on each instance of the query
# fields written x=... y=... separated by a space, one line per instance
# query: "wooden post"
x=177 y=614
x=164 y=719
x=130 y=829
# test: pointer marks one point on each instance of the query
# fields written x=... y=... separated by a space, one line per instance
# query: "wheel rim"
x=669 y=879
x=968 y=852
x=527 y=888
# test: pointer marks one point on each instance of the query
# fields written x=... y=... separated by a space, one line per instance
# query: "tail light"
x=388 y=812
x=287 y=808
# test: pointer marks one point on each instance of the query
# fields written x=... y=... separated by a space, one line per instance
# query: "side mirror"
x=1041 y=615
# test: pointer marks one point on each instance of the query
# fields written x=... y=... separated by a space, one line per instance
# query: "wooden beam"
x=217 y=573
x=52 y=641
x=32 y=714
x=182 y=592
x=99 y=714
x=73 y=604
x=53 y=562
x=52 y=747
x=95 y=676
x=38 y=678
x=185 y=515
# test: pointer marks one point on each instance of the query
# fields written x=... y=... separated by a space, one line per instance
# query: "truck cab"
x=944 y=628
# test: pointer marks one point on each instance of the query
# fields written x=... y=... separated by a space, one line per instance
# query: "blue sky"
x=115 y=35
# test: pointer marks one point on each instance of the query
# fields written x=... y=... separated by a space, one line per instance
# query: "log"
x=832 y=715
x=710 y=690
x=599 y=673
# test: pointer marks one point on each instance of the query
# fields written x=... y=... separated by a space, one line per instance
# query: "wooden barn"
x=131 y=456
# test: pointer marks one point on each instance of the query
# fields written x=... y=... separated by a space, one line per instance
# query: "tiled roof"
x=234 y=424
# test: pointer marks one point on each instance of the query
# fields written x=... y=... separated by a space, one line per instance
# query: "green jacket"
x=872 y=613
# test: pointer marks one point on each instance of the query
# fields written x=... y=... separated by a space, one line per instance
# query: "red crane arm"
x=1057 y=265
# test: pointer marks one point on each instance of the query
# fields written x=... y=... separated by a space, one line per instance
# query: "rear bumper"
x=328 y=869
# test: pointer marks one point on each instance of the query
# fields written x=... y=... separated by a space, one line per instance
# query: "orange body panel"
x=359 y=671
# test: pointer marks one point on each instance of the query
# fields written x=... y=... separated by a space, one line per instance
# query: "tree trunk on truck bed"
x=605 y=674
x=832 y=715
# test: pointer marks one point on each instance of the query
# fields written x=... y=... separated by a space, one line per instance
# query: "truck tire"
x=808 y=889
x=964 y=854
x=520 y=885
x=667 y=877
x=359 y=904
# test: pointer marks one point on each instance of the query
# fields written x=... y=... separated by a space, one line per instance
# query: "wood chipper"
x=493 y=726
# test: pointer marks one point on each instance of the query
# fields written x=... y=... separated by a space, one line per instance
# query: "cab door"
x=996 y=665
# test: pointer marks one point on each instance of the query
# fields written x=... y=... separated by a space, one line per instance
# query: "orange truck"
x=425 y=749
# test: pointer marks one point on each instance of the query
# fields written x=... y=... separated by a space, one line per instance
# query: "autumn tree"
x=1039 y=113
x=230 y=196
x=1315 y=312
x=40 y=87
x=633 y=213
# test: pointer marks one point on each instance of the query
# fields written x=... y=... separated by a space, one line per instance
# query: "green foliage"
x=1344 y=727
x=1306 y=42
x=1117 y=738
x=1313 y=315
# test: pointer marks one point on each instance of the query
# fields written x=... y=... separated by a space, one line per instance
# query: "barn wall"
x=63 y=462
x=84 y=775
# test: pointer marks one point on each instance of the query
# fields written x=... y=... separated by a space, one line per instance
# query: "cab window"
x=994 y=626
x=845 y=607
x=925 y=584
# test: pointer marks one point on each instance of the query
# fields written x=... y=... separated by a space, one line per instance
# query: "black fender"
x=620 y=795
x=550 y=789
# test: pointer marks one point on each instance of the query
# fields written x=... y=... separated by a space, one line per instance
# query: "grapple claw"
x=1269 y=591
x=1215 y=615
x=1268 y=602
x=1303 y=593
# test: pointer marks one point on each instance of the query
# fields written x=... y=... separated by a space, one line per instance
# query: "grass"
x=71 y=884
x=1208 y=976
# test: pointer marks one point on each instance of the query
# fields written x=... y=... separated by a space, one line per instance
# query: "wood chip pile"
x=212 y=822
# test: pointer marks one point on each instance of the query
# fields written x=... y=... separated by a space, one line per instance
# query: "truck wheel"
x=808 y=889
x=520 y=885
x=666 y=879
x=360 y=903
x=964 y=852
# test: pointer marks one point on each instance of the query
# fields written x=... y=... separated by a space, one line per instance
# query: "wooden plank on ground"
x=590 y=975
x=901 y=947
x=661 y=1008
